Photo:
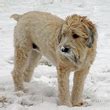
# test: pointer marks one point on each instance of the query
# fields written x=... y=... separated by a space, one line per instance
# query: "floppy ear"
x=90 y=39
x=91 y=30
x=59 y=35
x=59 y=38
x=62 y=32
x=64 y=29
x=91 y=34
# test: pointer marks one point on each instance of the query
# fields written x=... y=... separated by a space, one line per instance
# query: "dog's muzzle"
x=66 y=51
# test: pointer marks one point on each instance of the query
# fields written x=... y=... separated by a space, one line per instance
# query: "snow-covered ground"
x=42 y=90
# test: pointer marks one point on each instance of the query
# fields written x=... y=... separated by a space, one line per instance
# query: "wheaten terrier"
x=69 y=44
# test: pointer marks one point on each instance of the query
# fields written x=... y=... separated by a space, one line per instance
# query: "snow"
x=41 y=92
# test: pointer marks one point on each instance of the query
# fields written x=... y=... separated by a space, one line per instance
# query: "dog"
x=69 y=44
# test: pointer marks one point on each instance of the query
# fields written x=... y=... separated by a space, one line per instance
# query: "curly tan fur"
x=69 y=44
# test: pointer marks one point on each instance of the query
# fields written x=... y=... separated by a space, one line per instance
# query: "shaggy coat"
x=69 y=44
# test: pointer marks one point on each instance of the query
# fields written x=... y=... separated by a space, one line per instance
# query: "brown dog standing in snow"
x=69 y=44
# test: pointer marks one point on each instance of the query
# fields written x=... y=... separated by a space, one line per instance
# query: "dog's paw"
x=3 y=99
x=81 y=103
x=67 y=103
x=19 y=93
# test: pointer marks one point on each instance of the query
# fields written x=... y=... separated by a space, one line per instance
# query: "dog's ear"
x=59 y=35
x=64 y=29
x=90 y=39
x=62 y=32
x=59 y=38
x=91 y=34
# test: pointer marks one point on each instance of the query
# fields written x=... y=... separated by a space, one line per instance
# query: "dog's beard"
x=72 y=57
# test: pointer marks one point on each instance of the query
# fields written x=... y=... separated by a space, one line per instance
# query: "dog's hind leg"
x=33 y=60
x=23 y=46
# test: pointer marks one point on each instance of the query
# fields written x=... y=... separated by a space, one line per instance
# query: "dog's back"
x=41 y=27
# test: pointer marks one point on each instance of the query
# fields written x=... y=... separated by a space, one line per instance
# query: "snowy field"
x=42 y=90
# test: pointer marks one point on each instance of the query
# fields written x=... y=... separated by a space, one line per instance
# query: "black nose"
x=65 y=49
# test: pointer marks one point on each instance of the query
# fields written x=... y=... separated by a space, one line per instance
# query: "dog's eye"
x=75 y=36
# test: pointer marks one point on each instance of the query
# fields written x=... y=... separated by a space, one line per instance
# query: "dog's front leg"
x=77 y=91
x=63 y=86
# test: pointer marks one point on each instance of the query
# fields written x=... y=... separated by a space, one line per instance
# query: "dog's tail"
x=16 y=16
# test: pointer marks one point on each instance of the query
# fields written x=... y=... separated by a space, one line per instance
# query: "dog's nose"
x=65 y=49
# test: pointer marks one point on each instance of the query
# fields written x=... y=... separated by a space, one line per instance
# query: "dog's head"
x=77 y=36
